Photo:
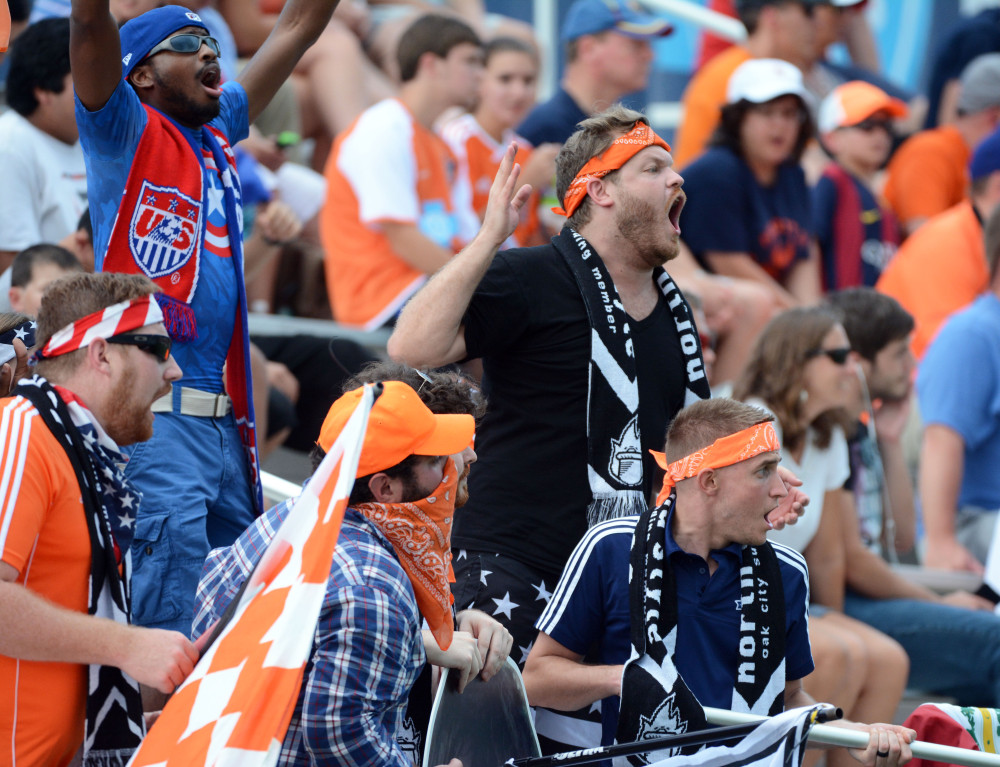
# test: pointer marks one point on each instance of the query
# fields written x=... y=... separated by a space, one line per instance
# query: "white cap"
x=762 y=80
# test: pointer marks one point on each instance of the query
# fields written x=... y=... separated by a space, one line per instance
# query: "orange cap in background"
x=400 y=425
x=853 y=103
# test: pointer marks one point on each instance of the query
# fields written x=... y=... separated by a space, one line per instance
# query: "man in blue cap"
x=157 y=126
x=608 y=55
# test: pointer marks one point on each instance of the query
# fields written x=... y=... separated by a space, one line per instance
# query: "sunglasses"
x=186 y=43
x=873 y=124
x=158 y=346
x=838 y=356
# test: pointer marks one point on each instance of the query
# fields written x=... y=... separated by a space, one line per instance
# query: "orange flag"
x=4 y=25
x=235 y=706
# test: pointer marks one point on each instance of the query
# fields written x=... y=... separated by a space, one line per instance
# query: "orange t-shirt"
x=703 y=98
x=43 y=535
x=928 y=174
x=938 y=270
x=385 y=167
x=479 y=156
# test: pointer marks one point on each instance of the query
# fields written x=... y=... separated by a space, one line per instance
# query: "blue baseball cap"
x=986 y=157
x=139 y=35
x=590 y=17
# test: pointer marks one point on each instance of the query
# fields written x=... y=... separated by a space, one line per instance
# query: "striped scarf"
x=114 y=725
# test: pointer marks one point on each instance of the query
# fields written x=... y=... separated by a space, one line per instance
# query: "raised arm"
x=94 y=52
x=429 y=330
x=298 y=26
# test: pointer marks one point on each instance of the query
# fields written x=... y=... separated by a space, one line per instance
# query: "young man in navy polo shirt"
x=719 y=507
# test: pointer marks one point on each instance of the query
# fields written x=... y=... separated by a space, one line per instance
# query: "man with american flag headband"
x=69 y=662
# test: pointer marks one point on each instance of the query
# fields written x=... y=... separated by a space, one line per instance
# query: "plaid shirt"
x=367 y=652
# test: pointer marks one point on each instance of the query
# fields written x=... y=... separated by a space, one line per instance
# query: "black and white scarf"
x=114 y=726
x=614 y=464
x=655 y=700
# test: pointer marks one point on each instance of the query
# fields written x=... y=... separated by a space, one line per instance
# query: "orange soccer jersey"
x=43 y=535
x=385 y=167
x=479 y=156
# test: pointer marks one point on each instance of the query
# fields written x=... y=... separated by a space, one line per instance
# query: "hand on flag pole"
x=236 y=705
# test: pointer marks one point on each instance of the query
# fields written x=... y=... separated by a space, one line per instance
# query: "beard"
x=131 y=421
x=462 y=491
x=636 y=220
x=180 y=105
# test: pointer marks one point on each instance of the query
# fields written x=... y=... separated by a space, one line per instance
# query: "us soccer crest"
x=163 y=233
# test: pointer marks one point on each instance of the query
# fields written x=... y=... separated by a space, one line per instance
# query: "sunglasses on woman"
x=158 y=346
x=838 y=356
x=186 y=43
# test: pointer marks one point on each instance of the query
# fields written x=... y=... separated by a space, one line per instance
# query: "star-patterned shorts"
x=505 y=588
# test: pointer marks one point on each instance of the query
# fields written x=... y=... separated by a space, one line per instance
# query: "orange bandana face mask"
x=623 y=149
x=420 y=533
x=725 y=451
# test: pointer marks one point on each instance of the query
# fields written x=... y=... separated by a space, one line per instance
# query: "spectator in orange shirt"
x=942 y=268
x=388 y=220
x=479 y=139
x=776 y=29
x=927 y=174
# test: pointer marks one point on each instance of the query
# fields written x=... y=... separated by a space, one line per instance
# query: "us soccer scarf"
x=114 y=725
x=160 y=232
x=614 y=463
x=655 y=700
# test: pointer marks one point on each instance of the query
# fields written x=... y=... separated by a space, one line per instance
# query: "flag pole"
x=839 y=736
x=589 y=755
x=734 y=731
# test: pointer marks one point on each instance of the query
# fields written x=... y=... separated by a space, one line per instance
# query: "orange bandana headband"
x=623 y=149
x=725 y=451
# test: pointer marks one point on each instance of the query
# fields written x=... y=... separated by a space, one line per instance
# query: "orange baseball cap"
x=854 y=102
x=400 y=425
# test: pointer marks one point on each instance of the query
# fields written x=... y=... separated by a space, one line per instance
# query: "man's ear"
x=384 y=488
x=43 y=97
x=14 y=295
x=98 y=357
x=708 y=481
x=142 y=76
x=598 y=191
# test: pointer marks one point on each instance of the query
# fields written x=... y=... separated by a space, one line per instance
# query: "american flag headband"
x=108 y=322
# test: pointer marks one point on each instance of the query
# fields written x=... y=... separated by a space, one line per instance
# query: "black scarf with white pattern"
x=655 y=700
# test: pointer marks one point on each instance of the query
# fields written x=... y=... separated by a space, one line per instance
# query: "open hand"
x=503 y=211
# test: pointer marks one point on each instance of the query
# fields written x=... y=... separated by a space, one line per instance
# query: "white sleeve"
x=378 y=162
x=838 y=460
x=20 y=200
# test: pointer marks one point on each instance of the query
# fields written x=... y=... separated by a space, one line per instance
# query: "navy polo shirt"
x=589 y=612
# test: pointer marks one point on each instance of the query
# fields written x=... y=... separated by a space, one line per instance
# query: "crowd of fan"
x=839 y=247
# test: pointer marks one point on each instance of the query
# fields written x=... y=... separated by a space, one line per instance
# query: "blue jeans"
x=953 y=651
x=196 y=496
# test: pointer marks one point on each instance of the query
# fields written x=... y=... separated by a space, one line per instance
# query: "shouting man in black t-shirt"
x=588 y=349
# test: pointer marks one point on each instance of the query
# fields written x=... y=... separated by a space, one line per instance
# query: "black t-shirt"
x=529 y=490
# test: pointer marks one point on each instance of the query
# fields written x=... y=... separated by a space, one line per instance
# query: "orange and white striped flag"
x=235 y=706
